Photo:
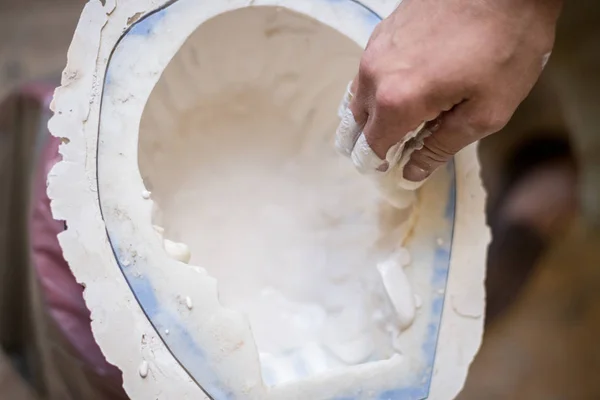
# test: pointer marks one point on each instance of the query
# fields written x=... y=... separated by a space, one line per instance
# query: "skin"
x=464 y=65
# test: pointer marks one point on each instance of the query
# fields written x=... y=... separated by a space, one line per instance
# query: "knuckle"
x=436 y=150
x=424 y=160
x=490 y=122
x=388 y=97
x=368 y=65
x=431 y=156
x=497 y=122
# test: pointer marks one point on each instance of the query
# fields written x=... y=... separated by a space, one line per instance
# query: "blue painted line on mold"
x=107 y=78
x=193 y=357
x=440 y=274
x=451 y=201
x=145 y=27
x=403 y=394
x=437 y=306
x=439 y=282
x=368 y=14
x=145 y=293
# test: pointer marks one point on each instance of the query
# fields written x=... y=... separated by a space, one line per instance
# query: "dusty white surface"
x=118 y=322
x=244 y=172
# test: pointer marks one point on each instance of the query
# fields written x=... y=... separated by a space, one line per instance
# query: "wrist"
x=535 y=19
x=548 y=10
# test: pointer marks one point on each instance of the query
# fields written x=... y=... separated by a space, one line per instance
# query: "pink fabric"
x=63 y=295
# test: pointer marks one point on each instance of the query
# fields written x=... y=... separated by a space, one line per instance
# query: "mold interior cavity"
x=236 y=145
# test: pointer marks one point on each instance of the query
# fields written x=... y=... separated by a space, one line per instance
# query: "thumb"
x=451 y=132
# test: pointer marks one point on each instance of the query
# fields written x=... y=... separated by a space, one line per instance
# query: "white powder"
x=240 y=158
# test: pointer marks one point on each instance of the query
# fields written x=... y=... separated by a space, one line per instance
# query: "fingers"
x=376 y=126
x=349 y=128
x=456 y=129
x=439 y=147
x=377 y=115
x=346 y=100
x=347 y=132
x=364 y=158
x=367 y=133
x=397 y=110
x=352 y=142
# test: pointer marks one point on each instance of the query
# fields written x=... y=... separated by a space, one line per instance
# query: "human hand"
x=462 y=65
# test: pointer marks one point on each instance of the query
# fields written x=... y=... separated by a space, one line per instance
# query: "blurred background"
x=540 y=349
x=34 y=38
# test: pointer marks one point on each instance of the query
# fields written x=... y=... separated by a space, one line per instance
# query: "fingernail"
x=384 y=167
x=414 y=173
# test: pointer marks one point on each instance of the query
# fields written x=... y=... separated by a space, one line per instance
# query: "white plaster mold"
x=195 y=340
